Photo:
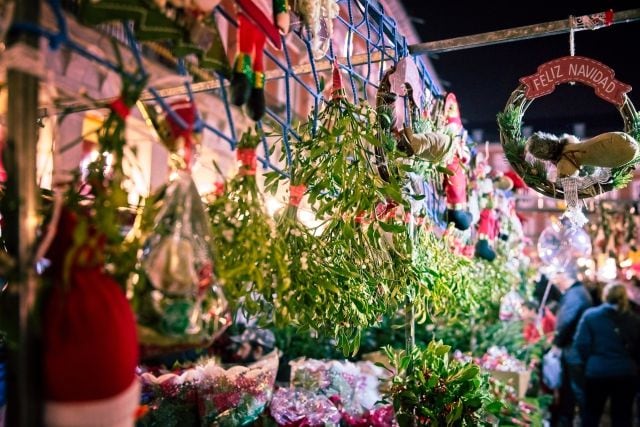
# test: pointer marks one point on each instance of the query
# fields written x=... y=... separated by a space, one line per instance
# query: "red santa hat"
x=90 y=346
x=518 y=183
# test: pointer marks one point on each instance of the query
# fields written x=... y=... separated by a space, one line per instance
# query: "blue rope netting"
x=365 y=24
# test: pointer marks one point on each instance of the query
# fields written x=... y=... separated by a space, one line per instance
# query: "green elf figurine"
x=258 y=20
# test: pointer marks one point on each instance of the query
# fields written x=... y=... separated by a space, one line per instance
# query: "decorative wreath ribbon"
x=571 y=185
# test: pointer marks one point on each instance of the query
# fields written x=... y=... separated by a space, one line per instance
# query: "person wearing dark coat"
x=575 y=300
x=607 y=343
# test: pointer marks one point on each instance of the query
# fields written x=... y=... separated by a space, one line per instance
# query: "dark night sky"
x=484 y=77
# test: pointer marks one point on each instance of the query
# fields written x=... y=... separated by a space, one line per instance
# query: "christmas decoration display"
x=187 y=25
x=208 y=394
x=604 y=162
x=258 y=20
x=378 y=261
x=87 y=316
x=318 y=16
x=251 y=264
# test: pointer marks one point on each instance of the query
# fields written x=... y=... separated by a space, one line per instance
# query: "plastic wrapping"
x=352 y=387
x=498 y=359
x=237 y=396
x=208 y=394
x=298 y=407
x=180 y=304
x=511 y=306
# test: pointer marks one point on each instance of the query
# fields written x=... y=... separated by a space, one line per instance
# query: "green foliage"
x=251 y=264
x=430 y=388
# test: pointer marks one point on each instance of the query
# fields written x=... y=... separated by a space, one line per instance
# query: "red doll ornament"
x=455 y=185
x=487 y=232
x=455 y=188
x=90 y=348
x=258 y=20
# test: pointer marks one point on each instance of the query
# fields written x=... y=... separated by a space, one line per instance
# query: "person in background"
x=595 y=289
x=607 y=342
x=553 y=296
x=575 y=300
x=534 y=327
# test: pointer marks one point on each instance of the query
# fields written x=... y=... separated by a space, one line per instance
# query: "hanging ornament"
x=179 y=303
x=583 y=169
x=178 y=300
x=318 y=16
x=258 y=21
x=560 y=245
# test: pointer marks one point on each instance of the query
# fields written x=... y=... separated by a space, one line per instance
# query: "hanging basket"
x=563 y=70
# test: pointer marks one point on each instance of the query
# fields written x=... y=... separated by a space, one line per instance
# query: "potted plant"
x=428 y=387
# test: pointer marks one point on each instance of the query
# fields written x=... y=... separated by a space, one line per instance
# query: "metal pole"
x=21 y=207
x=512 y=34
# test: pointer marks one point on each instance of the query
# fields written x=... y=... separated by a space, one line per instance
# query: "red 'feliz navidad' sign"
x=575 y=69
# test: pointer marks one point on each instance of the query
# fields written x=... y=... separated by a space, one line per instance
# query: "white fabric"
x=571 y=185
x=117 y=411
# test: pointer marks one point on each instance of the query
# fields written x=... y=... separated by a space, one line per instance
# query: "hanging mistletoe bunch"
x=104 y=183
x=338 y=157
x=325 y=296
x=346 y=188
x=440 y=289
x=251 y=255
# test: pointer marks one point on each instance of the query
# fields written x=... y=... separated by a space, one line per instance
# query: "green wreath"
x=534 y=173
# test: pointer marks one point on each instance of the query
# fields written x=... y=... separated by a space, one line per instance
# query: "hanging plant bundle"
x=440 y=289
x=252 y=266
x=326 y=298
x=105 y=183
x=346 y=188
x=338 y=161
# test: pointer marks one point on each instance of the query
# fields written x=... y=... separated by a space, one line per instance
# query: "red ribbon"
x=337 y=89
x=361 y=218
x=218 y=188
x=121 y=109
x=247 y=159
x=386 y=210
x=608 y=17
x=295 y=194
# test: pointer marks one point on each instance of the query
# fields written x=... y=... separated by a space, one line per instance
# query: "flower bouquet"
x=208 y=394
x=352 y=387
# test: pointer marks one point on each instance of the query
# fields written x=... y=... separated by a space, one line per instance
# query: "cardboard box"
x=518 y=380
